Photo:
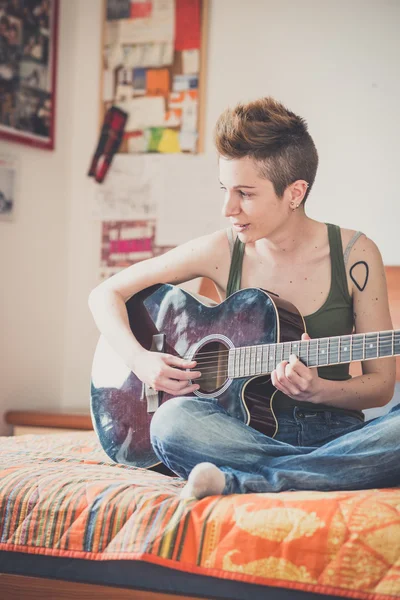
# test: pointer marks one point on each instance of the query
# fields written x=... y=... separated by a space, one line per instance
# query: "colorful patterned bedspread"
x=60 y=495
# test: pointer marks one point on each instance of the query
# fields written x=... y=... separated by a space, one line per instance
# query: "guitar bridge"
x=152 y=396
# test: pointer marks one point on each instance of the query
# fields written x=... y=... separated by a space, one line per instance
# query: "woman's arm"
x=375 y=387
x=199 y=258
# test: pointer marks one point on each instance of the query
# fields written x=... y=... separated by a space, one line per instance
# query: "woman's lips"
x=240 y=227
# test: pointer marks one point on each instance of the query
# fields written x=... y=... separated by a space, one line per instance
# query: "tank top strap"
x=235 y=271
x=338 y=269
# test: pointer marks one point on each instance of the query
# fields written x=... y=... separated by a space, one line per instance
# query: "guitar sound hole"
x=212 y=361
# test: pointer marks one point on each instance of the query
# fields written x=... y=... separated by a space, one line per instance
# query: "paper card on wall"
x=154 y=139
x=189 y=115
x=108 y=85
x=182 y=83
x=144 y=112
x=190 y=61
x=160 y=27
x=177 y=99
x=139 y=80
x=151 y=55
x=132 y=188
x=123 y=92
x=118 y=9
x=187 y=35
x=173 y=118
x=126 y=242
x=125 y=76
x=141 y=8
x=169 y=142
x=188 y=140
x=157 y=82
x=167 y=54
x=137 y=141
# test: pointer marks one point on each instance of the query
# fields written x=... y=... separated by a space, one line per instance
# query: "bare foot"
x=204 y=480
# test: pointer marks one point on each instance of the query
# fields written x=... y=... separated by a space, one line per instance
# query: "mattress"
x=62 y=497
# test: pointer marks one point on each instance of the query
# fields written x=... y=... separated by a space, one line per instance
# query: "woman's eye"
x=244 y=194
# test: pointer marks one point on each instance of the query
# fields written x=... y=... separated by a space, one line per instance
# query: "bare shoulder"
x=362 y=248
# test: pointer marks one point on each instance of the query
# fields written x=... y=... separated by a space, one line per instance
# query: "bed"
x=73 y=523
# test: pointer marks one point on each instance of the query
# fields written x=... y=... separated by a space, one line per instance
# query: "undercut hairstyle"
x=276 y=138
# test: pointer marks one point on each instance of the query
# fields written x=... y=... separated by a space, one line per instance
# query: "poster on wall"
x=28 y=42
x=8 y=173
x=125 y=243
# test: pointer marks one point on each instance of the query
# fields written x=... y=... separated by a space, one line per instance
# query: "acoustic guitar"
x=236 y=344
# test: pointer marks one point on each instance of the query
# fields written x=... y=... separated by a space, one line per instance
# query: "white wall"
x=333 y=62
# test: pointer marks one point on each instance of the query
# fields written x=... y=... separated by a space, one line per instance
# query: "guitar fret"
x=252 y=360
x=323 y=347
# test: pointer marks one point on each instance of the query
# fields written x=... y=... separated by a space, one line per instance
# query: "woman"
x=335 y=277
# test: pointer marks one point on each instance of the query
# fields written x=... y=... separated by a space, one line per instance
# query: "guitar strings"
x=223 y=364
x=356 y=345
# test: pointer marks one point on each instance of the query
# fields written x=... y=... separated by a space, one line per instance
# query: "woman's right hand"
x=166 y=373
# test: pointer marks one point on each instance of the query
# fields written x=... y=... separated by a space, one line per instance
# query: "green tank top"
x=335 y=317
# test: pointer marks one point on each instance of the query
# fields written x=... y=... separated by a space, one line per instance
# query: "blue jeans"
x=313 y=450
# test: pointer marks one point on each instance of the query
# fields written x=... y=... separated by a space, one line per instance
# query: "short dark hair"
x=274 y=137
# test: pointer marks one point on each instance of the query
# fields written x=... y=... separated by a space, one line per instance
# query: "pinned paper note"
x=177 y=99
x=187 y=34
x=137 y=141
x=188 y=140
x=123 y=92
x=118 y=9
x=190 y=61
x=189 y=115
x=169 y=142
x=159 y=27
x=155 y=136
x=139 y=81
x=157 y=82
x=185 y=82
x=141 y=8
x=144 y=112
x=173 y=118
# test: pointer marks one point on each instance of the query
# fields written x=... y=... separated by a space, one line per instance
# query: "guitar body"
x=120 y=406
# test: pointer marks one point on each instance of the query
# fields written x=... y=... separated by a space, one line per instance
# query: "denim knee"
x=170 y=421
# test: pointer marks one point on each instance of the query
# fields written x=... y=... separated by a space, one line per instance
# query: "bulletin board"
x=153 y=68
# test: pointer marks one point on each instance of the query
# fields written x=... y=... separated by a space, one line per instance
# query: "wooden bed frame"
x=20 y=587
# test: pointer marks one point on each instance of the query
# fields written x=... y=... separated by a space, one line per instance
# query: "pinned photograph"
x=28 y=30
x=7 y=187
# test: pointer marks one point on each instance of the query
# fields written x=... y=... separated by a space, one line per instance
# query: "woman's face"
x=250 y=201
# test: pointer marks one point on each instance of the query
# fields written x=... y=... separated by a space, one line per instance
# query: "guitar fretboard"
x=262 y=359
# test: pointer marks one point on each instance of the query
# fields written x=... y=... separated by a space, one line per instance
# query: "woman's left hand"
x=296 y=380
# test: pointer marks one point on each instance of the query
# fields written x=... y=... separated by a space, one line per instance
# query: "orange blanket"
x=60 y=495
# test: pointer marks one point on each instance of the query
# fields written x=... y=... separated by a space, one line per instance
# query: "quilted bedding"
x=60 y=495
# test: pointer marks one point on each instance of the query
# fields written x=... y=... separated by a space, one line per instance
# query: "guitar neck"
x=248 y=361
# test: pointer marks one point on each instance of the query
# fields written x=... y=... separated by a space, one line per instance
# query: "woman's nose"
x=231 y=206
